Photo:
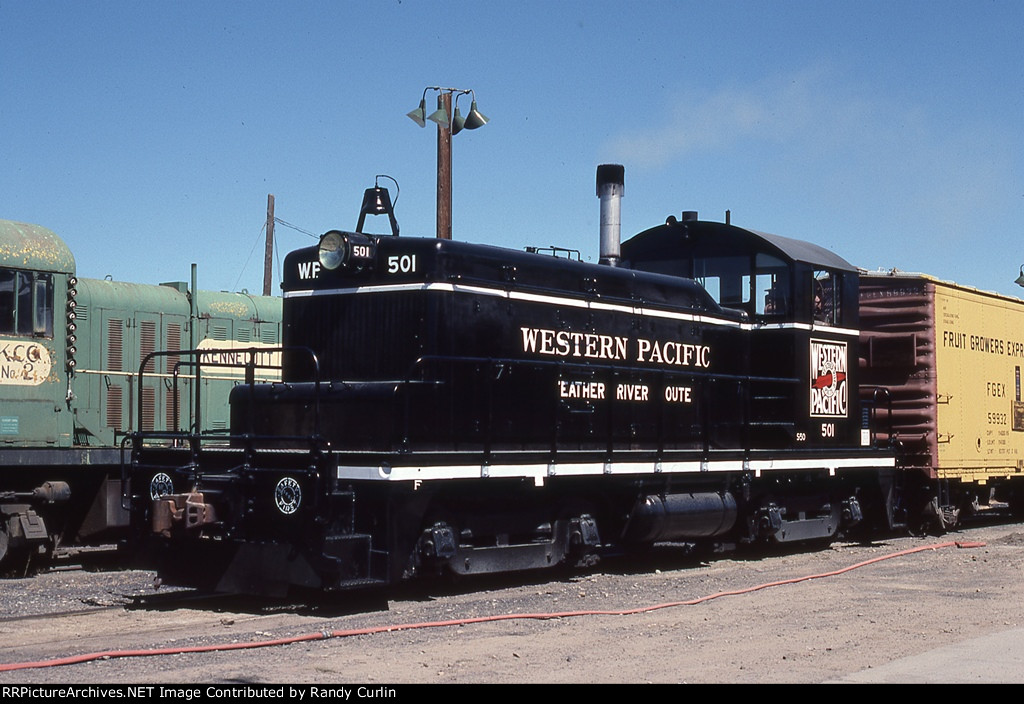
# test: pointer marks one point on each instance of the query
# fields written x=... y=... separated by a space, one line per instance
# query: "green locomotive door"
x=128 y=341
x=32 y=378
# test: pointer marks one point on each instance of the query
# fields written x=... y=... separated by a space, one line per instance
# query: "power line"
x=279 y=221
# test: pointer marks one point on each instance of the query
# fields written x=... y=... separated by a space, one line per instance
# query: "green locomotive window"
x=26 y=303
x=42 y=305
x=7 y=302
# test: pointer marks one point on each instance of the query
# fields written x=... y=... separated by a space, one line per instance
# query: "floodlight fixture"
x=419 y=115
x=448 y=124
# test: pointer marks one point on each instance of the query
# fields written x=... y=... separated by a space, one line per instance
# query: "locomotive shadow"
x=661 y=557
x=427 y=588
x=317 y=604
x=754 y=553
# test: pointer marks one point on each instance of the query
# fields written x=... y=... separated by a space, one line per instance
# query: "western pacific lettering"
x=565 y=343
x=586 y=345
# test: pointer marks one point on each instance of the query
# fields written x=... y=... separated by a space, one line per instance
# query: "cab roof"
x=31 y=247
x=714 y=238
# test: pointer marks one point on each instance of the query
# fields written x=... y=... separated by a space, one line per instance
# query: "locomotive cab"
x=799 y=302
x=771 y=279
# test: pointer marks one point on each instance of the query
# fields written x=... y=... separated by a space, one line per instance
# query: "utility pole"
x=444 y=172
x=448 y=124
x=268 y=256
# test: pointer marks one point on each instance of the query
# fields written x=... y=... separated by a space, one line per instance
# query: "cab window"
x=826 y=298
x=772 y=290
x=759 y=287
x=725 y=278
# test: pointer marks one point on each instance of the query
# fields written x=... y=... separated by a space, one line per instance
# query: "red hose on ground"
x=324 y=635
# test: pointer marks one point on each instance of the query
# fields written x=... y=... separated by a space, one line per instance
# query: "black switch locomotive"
x=453 y=406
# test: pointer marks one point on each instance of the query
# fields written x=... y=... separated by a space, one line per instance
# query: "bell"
x=377 y=201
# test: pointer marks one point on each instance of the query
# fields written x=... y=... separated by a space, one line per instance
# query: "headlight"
x=349 y=249
x=333 y=250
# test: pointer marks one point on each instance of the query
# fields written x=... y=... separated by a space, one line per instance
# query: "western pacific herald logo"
x=829 y=388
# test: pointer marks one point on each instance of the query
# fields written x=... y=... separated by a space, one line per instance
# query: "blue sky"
x=148 y=134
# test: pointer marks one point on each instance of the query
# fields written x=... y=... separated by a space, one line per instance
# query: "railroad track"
x=820 y=629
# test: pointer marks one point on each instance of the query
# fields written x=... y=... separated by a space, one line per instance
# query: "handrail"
x=198 y=359
x=606 y=372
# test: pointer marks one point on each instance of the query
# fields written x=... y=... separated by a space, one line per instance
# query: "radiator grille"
x=147 y=343
x=148 y=408
x=359 y=337
x=115 y=345
x=173 y=343
x=115 y=398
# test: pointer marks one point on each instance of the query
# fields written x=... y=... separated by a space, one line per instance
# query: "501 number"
x=404 y=264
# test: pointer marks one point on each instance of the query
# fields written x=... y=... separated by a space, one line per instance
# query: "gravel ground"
x=811 y=630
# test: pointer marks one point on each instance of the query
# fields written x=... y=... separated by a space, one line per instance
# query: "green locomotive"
x=70 y=353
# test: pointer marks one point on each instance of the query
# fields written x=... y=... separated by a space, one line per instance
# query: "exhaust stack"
x=610 y=189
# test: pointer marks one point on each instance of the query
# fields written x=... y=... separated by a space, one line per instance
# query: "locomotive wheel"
x=22 y=560
x=15 y=562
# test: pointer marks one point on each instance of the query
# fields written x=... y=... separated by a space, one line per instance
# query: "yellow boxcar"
x=946 y=359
